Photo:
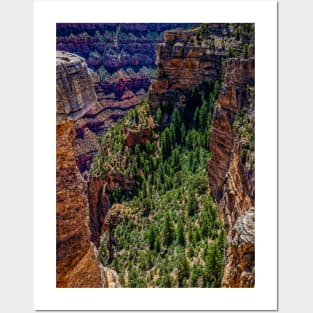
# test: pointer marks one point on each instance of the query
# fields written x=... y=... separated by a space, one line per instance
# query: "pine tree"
x=137 y=149
x=177 y=124
x=194 y=276
x=152 y=236
x=180 y=232
x=168 y=231
x=203 y=114
x=183 y=133
x=159 y=115
x=196 y=118
x=157 y=244
x=165 y=142
x=217 y=88
x=192 y=205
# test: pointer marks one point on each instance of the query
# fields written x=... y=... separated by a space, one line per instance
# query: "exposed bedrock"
x=182 y=66
x=122 y=61
x=99 y=197
x=229 y=183
x=77 y=263
x=231 y=178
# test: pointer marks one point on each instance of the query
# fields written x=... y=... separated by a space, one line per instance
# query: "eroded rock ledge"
x=75 y=91
x=239 y=271
x=76 y=259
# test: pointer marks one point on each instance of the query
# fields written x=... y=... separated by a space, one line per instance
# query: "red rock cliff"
x=231 y=168
x=77 y=263
x=183 y=65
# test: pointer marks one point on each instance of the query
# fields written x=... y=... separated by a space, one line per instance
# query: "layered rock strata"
x=122 y=60
x=183 y=65
x=77 y=263
x=191 y=60
x=231 y=179
x=230 y=184
x=75 y=93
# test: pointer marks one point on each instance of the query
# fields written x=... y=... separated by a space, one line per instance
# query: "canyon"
x=90 y=102
x=121 y=59
x=184 y=65
x=77 y=258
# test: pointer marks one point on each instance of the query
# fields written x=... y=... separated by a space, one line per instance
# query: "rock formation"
x=183 y=65
x=122 y=60
x=77 y=263
x=231 y=176
x=239 y=270
x=75 y=92
x=99 y=198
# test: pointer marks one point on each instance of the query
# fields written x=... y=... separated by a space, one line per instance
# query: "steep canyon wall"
x=77 y=261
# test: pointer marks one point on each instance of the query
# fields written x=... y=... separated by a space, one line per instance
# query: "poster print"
x=155 y=148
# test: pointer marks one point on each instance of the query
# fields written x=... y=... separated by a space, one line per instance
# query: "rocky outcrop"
x=77 y=264
x=231 y=177
x=138 y=137
x=99 y=205
x=99 y=197
x=183 y=65
x=229 y=183
x=239 y=271
x=75 y=93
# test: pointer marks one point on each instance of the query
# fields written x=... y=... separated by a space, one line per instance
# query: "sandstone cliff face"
x=183 y=65
x=99 y=198
x=99 y=205
x=76 y=260
x=231 y=176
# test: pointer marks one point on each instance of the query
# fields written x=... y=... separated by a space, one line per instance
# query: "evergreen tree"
x=149 y=147
x=157 y=244
x=183 y=133
x=203 y=115
x=177 y=124
x=194 y=276
x=168 y=231
x=183 y=270
x=196 y=118
x=159 y=115
x=165 y=142
x=137 y=150
x=217 y=89
x=180 y=232
x=192 y=205
x=152 y=236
